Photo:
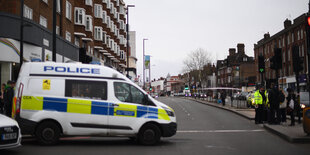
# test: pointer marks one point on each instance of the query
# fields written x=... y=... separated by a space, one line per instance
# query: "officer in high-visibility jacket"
x=261 y=99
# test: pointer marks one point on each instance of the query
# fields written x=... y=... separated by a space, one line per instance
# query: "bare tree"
x=196 y=60
x=194 y=65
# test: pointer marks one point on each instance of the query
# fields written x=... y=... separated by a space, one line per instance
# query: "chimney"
x=266 y=35
x=232 y=51
x=240 y=48
x=287 y=23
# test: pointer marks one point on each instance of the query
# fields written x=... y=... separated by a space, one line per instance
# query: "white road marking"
x=218 y=131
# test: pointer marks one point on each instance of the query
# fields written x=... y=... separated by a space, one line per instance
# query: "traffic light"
x=261 y=64
x=82 y=54
x=186 y=87
x=308 y=32
x=276 y=60
x=150 y=88
x=88 y=59
x=297 y=61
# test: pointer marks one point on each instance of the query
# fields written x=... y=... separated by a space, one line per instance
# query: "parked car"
x=236 y=95
x=10 y=135
x=243 y=96
x=304 y=99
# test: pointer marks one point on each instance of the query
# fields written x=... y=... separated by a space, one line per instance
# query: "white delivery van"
x=70 y=99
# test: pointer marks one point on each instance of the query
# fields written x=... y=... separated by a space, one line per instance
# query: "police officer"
x=260 y=98
x=274 y=102
x=8 y=98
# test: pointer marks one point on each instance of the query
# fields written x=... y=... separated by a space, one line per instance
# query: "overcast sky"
x=177 y=27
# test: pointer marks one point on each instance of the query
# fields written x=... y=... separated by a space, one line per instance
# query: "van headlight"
x=169 y=112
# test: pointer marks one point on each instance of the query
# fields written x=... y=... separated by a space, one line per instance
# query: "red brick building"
x=293 y=34
x=95 y=27
x=236 y=70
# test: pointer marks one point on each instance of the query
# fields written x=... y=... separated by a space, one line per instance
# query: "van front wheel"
x=149 y=134
x=48 y=133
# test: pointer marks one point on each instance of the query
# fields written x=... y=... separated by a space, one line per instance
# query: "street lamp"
x=21 y=45
x=144 y=63
x=127 y=13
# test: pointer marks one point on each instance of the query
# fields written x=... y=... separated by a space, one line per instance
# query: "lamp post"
x=54 y=30
x=21 y=55
x=127 y=26
x=144 y=63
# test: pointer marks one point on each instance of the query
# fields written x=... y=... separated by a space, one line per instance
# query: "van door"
x=87 y=107
x=128 y=110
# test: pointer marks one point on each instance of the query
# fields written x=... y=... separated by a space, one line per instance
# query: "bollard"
x=306 y=120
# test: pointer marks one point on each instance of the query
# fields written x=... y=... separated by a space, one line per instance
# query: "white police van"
x=68 y=99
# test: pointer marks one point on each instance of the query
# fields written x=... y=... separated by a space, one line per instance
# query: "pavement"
x=293 y=134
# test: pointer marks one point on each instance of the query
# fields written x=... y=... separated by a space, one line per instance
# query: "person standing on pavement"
x=292 y=106
x=223 y=97
x=8 y=98
x=260 y=99
x=283 y=104
x=273 y=96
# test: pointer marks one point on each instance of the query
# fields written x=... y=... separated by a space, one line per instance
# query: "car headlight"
x=302 y=106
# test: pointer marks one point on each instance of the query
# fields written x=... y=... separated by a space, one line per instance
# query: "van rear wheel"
x=48 y=133
x=149 y=134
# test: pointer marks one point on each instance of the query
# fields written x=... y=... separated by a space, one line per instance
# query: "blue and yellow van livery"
x=68 y=99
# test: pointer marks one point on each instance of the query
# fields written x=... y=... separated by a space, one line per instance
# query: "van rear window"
x=86 y=89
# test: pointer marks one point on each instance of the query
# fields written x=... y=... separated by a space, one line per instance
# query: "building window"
x=288 y=39
x=98 y=33
x=301 y=34
x=68 y=36
x=58 y=9
x=43 y=21
x=283 y=56
x=57 y=30
x=115 y=47
x=45 y=1
x=279 y=43
x=104 y=37
x=298 y=35
x=122 y=55
x=27 y=12
x=68 y=10
x=288 y=55
x=77 y=41
x=89 y=23
x=109 y=21
x=89 y=2
x=104 y=16
x=98 y=11
x=108 y=4
x=80 y=16
x=292 y=37
x=302 y=51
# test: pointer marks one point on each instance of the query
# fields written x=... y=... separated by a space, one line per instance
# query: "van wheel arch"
x=48 y=132
x=50 y=120
x=155 y=131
